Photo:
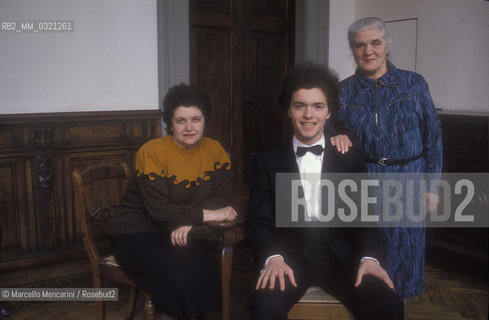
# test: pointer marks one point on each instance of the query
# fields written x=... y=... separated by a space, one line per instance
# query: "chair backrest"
x=98 y=191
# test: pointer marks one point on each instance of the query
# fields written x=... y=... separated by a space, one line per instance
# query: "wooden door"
x=239 y=50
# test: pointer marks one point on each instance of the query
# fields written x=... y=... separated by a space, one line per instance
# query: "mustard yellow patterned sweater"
x=172 y=186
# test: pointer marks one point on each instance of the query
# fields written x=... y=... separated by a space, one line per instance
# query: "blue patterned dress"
x=394 y=117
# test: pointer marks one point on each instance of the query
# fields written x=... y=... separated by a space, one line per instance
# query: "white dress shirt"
x=310 y=167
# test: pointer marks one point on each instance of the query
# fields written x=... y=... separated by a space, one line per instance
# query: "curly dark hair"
x=187 y=96
x=308 y=75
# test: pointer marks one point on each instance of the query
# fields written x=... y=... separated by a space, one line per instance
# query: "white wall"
x=321 y=39
x=311 y=30
x=453 y=46
x=109 y=62
x=342 y=15
x=173 y=44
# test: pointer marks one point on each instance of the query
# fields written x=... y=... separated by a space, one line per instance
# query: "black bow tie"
x=317 y=150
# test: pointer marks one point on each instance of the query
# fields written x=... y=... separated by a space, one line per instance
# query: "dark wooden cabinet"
x=38 y=152
x=465 y=150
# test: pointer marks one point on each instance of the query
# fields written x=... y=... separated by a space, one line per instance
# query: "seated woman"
x=182 y=180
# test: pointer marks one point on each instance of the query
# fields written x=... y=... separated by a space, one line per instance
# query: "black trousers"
x=182 y=281
x=372 y=300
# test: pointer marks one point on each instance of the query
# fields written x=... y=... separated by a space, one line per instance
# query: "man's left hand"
x=371 y=267
x=431 y=201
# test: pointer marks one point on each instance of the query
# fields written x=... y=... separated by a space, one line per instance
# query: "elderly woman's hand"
x=341 y=142
x=222 y=214
x=179 y=236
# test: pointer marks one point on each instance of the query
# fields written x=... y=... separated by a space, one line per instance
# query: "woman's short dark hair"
x=187 y=96
x=310 y=75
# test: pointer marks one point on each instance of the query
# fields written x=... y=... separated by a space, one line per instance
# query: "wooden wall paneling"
x=465 y=143
x=144 y=130
x=45 y=204
x=58 y=225
x=14 y=221
x=39 y=142
x=38 y=154
x=465 y=149
x=93 y=134
x=9 y=137
x=27 y=204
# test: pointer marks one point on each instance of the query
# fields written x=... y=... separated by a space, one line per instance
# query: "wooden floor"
x=448 y=295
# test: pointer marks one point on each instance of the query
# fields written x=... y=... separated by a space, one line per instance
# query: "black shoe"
x=4 y=312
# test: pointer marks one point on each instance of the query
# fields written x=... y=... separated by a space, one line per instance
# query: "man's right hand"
x=275 y=268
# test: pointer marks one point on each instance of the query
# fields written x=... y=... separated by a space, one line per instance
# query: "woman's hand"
x=222 y=214
x=341 y=142
x=179 y=236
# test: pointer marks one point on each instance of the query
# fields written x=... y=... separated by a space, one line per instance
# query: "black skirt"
x=182 y=281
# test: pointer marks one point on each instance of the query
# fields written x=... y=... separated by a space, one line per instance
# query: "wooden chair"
x=229 y=233
x=317 y=304
x=106 y=268
x=98 y=191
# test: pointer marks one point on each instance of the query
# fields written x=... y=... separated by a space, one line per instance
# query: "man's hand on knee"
x=275 y=268
x=371 y=267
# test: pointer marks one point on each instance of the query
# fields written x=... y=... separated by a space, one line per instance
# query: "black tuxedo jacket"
x=347 y=244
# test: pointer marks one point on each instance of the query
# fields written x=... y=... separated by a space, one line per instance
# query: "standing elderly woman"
x=182 y=180
x=388 y=113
